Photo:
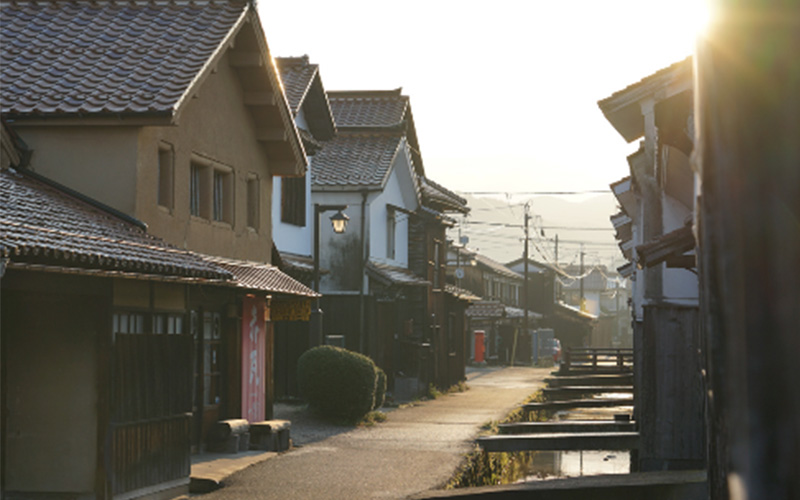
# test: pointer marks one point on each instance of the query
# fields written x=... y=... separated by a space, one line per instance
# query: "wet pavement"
x=418 y=448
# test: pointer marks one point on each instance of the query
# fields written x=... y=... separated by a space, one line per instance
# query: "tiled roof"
x=496 y=267
x=565 y=310
x=517 y=313
x=436 y=194
x=374 y=108
x=296 y=74
x=626 y=270
x=303 y=88
x=299 y=263
x=263 y=277
x=107 y=56
x=40 y=223
x=486 y=309
x=460 y=293
x=395 y=275
x=358 y=160
x=662 y=247
x=645 y=84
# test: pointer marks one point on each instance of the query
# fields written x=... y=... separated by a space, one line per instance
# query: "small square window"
x=253 y=202
x=223 y=196
x=293 y=200
x=198 y=190
x=166 y=162
x=391 y=229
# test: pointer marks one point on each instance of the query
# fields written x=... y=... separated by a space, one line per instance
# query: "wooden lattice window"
x=293 y=200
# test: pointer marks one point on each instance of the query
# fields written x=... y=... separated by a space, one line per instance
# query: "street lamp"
x=339 y=222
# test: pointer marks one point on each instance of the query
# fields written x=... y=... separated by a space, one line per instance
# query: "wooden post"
x=747 y=155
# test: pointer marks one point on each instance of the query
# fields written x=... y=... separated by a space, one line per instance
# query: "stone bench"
x=229 y=436
x=270 y=435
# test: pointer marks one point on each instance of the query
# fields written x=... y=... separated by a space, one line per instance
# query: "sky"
x=504 y=93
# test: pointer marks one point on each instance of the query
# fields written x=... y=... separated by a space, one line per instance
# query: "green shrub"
x=380 y=388
x=336 y=382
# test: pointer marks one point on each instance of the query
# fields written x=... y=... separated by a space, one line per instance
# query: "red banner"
x=254 y=328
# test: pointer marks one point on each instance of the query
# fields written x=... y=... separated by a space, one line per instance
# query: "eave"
x=623 y=108
x=669 y=246
x=263 y=95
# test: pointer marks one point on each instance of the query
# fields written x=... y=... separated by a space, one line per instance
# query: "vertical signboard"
x=253 y=358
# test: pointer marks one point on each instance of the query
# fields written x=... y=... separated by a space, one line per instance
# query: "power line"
x=534 y=193
x=565 y=228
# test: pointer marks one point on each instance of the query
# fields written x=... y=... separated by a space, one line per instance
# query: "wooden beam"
x=272 y=135
x=585 y=389
x=592 y=380
x=285 y=167
x=259 y=98
x=576 y=426
x=561 y=441
x=579 y=403
x=246 y=59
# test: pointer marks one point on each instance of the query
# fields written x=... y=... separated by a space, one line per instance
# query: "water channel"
x=554 y=464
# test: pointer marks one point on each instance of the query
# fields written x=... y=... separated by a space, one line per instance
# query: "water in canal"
x=553 y=464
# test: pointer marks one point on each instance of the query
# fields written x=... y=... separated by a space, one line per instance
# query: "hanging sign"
x=254 y=329
x=291 y=310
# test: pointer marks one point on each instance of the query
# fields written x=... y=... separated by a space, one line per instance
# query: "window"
x=436 y=265
x=211 y=191
x=126 y=323
x=197 y=207
x=391 y=229
x=151 y=367
x=166 y=162
x=223 y=196
x=212 y=373
x=293 y=200
x=253 y=205
x=170 y=324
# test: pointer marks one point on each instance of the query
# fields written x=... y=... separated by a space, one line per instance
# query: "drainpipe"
x=3 y=409
x=362 y=258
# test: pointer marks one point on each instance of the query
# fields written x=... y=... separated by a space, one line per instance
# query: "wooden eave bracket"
x=241 y=59
x=260 y=98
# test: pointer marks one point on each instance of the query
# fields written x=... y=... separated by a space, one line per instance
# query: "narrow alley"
x=418 y=448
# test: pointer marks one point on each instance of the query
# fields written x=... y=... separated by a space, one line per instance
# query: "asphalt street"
x=418 y=448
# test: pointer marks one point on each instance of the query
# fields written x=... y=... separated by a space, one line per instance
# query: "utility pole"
x=555 y=276
x=524 y=286
x=582 y=302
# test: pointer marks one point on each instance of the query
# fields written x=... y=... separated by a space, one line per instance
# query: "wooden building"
x=384 y=293
x=657 y=203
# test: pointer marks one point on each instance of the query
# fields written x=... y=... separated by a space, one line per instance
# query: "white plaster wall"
x=300 y=120
x=680 y=286
x=674 y=213
x=339 y=253
x=288 y=237
x=399 y=191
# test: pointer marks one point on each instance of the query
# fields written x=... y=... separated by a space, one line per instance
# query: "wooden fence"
x=598 y=359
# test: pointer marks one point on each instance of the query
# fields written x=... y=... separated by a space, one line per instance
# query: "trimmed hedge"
x=336 y=382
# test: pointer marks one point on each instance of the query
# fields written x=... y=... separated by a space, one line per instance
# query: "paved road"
x=416 y=449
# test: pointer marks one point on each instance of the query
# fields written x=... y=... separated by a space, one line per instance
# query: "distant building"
x=384 y=292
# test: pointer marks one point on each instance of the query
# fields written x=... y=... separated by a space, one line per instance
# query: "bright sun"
x=684 y=21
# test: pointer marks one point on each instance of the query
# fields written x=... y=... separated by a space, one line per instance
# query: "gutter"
x=362 y=270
